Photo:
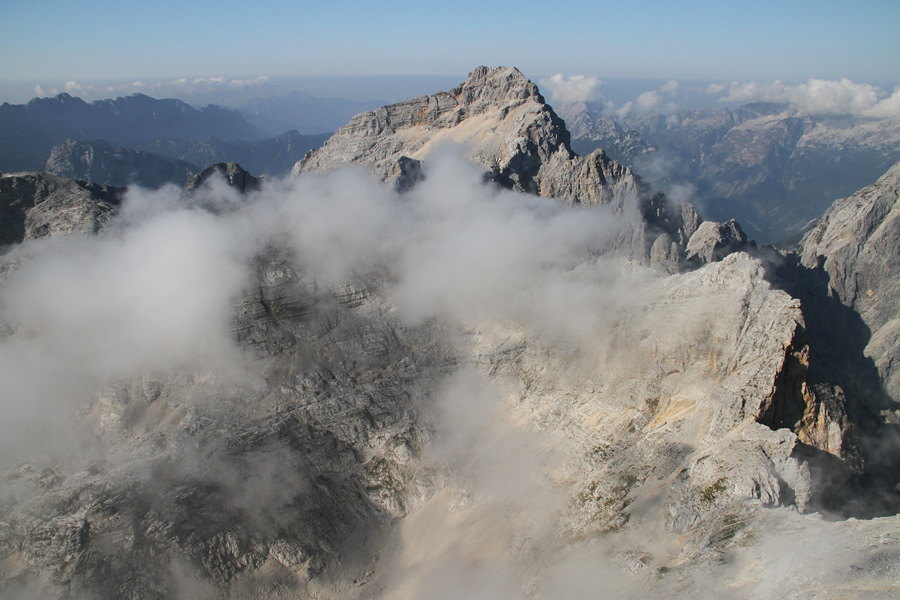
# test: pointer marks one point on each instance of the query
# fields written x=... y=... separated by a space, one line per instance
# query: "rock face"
x=504 y=125
x=714 y=241
x=234 y=175
x=853 y=252
x=98 y=162
x=34 y=205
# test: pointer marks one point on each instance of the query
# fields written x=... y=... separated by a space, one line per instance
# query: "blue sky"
x=789 y=40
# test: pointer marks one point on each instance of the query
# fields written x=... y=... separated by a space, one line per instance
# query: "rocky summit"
x=502 y=123
x=443 y=387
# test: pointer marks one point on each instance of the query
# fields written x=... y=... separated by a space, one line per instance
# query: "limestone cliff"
x=851 y=256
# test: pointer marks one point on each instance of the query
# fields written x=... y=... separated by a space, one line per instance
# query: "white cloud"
x=888 y=107
x=648 y=103
x=258 y=81
x=201 y=80
x=73 y=87
x=575 y=88
x=816 y=96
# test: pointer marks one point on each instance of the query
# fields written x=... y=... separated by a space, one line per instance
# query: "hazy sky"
x=764 y=40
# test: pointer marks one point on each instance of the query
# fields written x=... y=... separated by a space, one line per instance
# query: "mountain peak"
x=499 y=83
x=497 y=114
x=504 y=125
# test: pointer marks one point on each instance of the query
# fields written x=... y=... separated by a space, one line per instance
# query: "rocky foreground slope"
x=330 y=389
x=34 y=205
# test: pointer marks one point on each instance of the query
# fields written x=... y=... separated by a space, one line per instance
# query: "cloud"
x=256 y=82
x=155 y=292
x=651 y=102
x=200 y=80
x=575 y=88
x=647 y=103
x=152 y=295
x=887 y=107
x=815 y=97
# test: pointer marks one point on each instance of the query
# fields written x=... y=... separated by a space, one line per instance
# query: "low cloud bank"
x=816 y=96
x=156 y=291
x=575 y=88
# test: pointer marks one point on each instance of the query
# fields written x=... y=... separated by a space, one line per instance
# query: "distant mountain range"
x=139 y=139
x=101 y=163
x=30 y=130
x=771 y=166
x=303 y=112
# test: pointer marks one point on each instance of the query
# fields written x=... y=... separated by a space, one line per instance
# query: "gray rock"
x=856 y=242
x=34 y=205
x=99 y=162
x=712 y=241
x=233 y=174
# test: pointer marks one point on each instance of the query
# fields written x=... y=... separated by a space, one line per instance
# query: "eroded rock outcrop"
x=34 y=205
x=714 y=241
x=233 y=174
x=847 y=278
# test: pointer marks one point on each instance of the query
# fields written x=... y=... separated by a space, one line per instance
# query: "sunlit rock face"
x=503 y=124
x=331 y=388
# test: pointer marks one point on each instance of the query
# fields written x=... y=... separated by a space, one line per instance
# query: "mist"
x=119 y=352
x=816 y=96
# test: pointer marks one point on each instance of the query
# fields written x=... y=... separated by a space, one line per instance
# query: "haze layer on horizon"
x=765 y=40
